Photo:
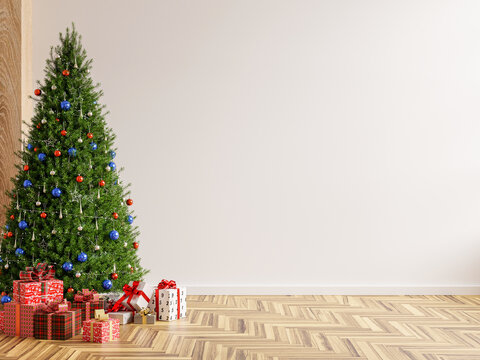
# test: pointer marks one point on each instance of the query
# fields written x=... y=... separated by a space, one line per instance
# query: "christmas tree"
x=69 y=208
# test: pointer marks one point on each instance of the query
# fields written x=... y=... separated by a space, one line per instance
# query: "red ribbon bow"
x=38 y=273
x=166 y=284
x=84 y=295
x=49 y=307
x=129 y=293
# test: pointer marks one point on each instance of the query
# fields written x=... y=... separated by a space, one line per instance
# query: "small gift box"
x=101 y=331
x=19 y=319
x=59 y=325
x=2 y=321
x=170 y=301
x=137 y=295
x=124 y=317
x=145 y=316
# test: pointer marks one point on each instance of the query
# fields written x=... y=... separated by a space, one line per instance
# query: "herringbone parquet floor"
x=288 y=327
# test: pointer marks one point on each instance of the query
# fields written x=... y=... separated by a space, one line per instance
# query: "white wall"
x=330 y=144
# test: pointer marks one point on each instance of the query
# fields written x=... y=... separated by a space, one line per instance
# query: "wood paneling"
x=288 y=327
x=15 y=81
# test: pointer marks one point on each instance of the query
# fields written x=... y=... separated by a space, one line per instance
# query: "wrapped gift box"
x=137 y=295
x=27 y=292
x=88 y=308
x=171 y=304
x=37 y=285
x=19 y=319
x=60 y=325
x=2 y=321
x=142 y=318
x=101 y=331
x=124 y=317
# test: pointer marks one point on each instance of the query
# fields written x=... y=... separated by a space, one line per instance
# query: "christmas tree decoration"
x=5 y=299
x=108 y=168
x=65 y=72
x=114 y=276
x=37 y=92
x=19 y=252
x=67 y=266
x=136 y=245
x=66 y=191
x=112 y=165
x=78 y=274
x=130 y=219
x=82 y=257
x=115 y=215
x=65 y=105
x=114 y=235
x=70 y=290
x=56 y=192
x=129 y=202
x=107 y=284
x=12 y=217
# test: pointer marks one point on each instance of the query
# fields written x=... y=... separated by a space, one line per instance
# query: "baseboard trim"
x=332 y=290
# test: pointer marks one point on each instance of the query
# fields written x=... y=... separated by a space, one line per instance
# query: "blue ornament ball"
x=130 y=219
x=113 y=154
x=114 y=235
x=112 y=165
x=93 y=146
x=72 y=151
x=19 y=252
x=65 y=105
x=30 y=147
x=6 y=299
x=22 y=225
x=42 y=156
x=27 y=184
x=82 y=257
x=107 y=284
x=1 y=260
x=56 y=192
x=67 y=266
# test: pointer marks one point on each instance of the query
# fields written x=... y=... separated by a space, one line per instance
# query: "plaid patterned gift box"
x=2 y=321
x=88 y=308
x=101 y=331
x=19 y=319
x=57 y=325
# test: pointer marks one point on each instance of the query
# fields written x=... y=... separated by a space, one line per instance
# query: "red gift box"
x=60 y=325
x=37 y=285
x=2 y=321
x=101 y=331
x=27 y=292
x=19 y=319
x=88 y=308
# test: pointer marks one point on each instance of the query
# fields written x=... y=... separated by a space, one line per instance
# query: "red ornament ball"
x=12 y=217
x=115 y=215
x=131 y=269
x=57 y=119
x=129 y=202
x=35 y=149
x=65 y=72
x=26 y=167
x=57 y=153
x=63 y=132
x=101 y=183
x=90 y=135
x=43 y=215
x=4 y=293
x=9 y=234
x=38 y=92
x=114 y=276
x=79 y=178
x=136 y=245
x=70 y=290
x=39 y=126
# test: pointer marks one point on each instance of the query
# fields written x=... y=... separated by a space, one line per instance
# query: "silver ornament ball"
x=89 y=114
x=54 y=232
x=38 y=203
x=125 y=244
x=80 y=228
x=44 y=121
x=54 y=87
x=108 y=168
x=97 y=247
x=6 y=266
x=77 y=275
x=52 y=172
x=80 y=140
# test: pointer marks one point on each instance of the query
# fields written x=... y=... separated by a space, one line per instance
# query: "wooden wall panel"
x=15 y=58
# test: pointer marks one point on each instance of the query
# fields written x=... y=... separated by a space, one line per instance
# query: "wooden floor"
x=288 y=327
